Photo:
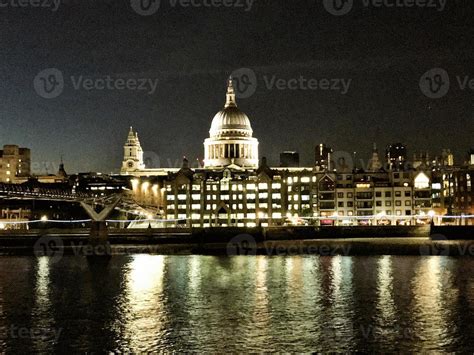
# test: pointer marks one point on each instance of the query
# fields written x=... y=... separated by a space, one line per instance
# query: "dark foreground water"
x=184 y=303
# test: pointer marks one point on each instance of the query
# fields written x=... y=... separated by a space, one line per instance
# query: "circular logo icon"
x=49 y=83
x=145 y=7
x=342 y=161
x=242 y=244
x=245 y=82
x=435 y=83
x=151 y=160
x=436 y=246
x=338 y=7
x=51 y=247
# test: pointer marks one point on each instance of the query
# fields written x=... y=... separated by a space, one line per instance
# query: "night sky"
x=191 y=51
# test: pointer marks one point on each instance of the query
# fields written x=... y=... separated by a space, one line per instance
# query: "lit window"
x=422 y=181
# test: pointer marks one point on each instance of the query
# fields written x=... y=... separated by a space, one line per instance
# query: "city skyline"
x=383 y=104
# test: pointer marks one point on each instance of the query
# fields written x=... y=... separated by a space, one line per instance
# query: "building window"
x=388 y=194
x=340 y=194
x=407 y=203
x=398 y=203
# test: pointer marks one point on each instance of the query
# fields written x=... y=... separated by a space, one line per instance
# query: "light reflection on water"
x=184 y=303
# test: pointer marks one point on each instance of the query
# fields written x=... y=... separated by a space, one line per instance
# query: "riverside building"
x=234 y=187
x=14 y=163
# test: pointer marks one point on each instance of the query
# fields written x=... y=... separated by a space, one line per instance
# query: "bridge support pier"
x=99 y=232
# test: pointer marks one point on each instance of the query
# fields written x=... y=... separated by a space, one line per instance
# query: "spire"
x=131 y=134
x=62 y=172
x=230 y=96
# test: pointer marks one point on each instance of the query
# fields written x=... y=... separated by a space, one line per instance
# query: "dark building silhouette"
x=396 y=155
x=322 y=159
x=289 y=159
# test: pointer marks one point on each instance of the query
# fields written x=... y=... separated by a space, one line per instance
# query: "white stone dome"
x=230 y=122
x=231 y=141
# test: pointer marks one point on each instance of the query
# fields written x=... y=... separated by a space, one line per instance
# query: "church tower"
x=133 y=154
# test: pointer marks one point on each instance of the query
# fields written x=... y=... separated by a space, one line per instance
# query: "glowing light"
x=135 y=184
x=422 y=181
x=44 y=218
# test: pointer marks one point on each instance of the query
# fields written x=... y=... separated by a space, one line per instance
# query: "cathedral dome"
x=231 y=141
x=231 y=122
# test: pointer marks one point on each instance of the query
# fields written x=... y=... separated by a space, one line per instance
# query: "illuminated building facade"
x=232 y=188
x=277 y=196
x=14 y=163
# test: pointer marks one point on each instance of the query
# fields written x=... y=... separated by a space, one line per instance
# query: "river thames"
x=243 y=303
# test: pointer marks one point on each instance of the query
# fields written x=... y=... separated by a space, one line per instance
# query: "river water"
x=243 y=303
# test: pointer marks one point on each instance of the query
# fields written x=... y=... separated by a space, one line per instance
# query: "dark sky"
x=191 y=51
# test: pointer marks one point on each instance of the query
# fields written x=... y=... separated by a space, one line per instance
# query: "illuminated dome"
x=230 y=122
x=230 y=137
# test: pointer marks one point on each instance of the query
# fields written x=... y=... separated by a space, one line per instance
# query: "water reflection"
x=386 y=318
x=240 y=304
x=144 y=300
x=43 y=330
x=434 y=301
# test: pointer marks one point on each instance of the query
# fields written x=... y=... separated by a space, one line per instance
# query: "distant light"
x=2 y=226
x=44 y=218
